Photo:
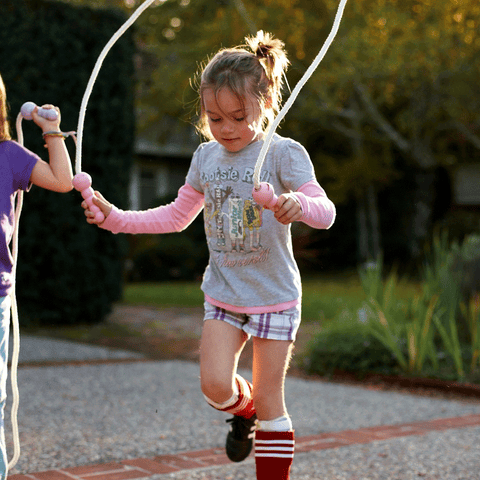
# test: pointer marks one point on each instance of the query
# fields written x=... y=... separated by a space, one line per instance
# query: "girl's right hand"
x=100 y=202
x=45 y=124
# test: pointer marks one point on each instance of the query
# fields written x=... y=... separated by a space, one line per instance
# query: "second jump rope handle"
x=265 y=195
x=82 y=182
x=48 y=113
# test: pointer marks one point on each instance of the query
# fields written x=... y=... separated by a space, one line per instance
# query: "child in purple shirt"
x=19 y=168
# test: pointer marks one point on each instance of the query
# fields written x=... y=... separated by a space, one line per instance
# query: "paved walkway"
x=207 y=460
x=116 y=417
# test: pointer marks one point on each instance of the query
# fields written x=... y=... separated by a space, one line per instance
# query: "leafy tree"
x=398 y=87
x=400 y=80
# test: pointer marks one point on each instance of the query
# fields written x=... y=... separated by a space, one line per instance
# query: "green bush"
x=435 y=333
x=171 y=256
x=176 y=257
x=69 y=271
x=348 y=346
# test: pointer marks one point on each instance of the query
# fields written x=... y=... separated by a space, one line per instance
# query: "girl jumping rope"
x=252 y=284
x=19 y=168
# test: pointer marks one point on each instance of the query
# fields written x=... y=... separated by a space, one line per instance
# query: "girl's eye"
x=240 y=119
x=215 y=120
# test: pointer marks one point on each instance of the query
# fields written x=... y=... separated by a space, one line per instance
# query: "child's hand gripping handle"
x=82 y=182
x=265 y=196
x=28 y=107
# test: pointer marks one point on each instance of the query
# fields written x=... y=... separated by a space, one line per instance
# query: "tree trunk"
x=369 y=238
x=374 y=221
x=362 y=229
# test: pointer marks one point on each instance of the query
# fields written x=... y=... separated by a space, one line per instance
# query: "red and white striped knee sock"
x=241 y=402
x=274 y=452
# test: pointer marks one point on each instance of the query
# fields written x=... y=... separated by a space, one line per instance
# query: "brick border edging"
x=144 y=467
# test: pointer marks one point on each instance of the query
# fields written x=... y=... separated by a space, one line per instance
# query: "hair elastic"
x=263 y=51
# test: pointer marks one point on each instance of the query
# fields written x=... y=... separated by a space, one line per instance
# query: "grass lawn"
x=324 y=296
x=164 y=294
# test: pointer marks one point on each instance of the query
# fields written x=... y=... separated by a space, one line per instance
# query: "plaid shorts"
x=274 y=326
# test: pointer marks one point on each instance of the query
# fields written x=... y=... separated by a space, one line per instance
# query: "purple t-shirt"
x=16 y=165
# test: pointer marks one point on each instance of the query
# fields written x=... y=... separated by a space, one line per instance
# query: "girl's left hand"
x=45 y=124
x=287 y=209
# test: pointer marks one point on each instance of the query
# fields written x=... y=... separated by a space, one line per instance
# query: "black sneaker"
x=240 y=437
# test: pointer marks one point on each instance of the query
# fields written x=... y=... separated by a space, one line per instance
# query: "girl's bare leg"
x=274 y=437
x=270 y=363
x=220 y=348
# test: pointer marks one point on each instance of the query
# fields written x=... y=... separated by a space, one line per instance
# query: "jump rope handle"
x=264 y=195
x=82 y=183
x=28 y=107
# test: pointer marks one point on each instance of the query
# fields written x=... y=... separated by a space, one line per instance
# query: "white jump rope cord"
x=295 y=92
x=93 y=77
x=15 y=325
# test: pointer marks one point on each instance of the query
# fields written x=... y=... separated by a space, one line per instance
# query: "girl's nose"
x=227 y=127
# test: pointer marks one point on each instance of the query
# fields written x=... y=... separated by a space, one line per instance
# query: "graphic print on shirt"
x=233 y=219
x=236 y=230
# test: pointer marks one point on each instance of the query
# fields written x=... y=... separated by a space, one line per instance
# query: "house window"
x=148 y=188
x=147 y=184
x=466 y=185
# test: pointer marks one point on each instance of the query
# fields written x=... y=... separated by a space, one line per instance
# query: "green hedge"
x=348 y=347
x=172 y=256
x=69 y=271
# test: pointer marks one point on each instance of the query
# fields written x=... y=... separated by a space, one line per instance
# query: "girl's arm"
x=56 y=175
x=309 y=204
x=318 y=211
x=170 y=218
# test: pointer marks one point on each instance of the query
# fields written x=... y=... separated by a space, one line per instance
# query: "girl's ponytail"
x=271 y=54
x=257 y=74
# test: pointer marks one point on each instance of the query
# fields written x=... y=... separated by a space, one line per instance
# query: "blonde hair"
x=256 y=74
x=4 y=125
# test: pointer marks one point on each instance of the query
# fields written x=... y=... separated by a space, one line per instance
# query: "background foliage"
x=391 y=110
x=69 y=272
x=432 y=332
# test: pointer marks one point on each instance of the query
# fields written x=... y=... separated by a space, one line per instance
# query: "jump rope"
x=263 y=193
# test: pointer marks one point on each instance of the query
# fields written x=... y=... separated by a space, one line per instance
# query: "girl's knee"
x=216 y=389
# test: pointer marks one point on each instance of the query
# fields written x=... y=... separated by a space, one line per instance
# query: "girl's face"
x=233 y=126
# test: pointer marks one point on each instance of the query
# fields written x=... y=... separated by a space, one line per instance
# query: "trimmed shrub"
x=69 y=271
x=172 y=256
x=348 y=346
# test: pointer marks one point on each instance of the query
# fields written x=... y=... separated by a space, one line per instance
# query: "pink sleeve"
x=174 y=217
x=318 y=210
